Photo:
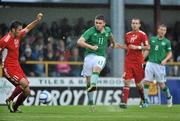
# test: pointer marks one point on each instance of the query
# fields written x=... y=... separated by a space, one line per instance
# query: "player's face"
x=162 y=31
x=99 y=24
x=17 y=30
x=135 y=24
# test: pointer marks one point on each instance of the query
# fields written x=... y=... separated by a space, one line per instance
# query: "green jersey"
x=94 y=37
x=158 y=49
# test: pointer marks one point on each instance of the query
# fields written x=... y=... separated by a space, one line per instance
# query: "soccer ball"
x=45 y=97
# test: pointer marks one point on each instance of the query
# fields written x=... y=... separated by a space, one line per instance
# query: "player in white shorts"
x=90 y=61
x=160 y=52
x=95 y=41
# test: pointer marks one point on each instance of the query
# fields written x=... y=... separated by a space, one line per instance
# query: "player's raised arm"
x=34 y=23
x=81 y=42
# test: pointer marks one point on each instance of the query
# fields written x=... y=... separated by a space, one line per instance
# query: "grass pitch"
x=83 y=113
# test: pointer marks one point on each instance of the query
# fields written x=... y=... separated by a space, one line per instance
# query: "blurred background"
x=49 y=54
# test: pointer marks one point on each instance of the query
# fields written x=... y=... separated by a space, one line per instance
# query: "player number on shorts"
x=157 y=47
x=100 y=63
x=101 y=41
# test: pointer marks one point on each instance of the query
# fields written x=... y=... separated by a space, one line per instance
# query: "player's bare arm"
x=145 y=53
x=169 y=55
x=113 y=42
x=121 y=46
x=34 y=23
x=81 y=42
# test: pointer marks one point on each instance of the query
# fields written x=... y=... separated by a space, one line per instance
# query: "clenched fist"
x=39 y=16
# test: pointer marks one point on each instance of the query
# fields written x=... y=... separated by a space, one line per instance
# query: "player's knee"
x=27 y=91
x=146 y=83
x=24 y=83
x=127 y=83
x=162 y=85
x=97 y=69
x=139 y=85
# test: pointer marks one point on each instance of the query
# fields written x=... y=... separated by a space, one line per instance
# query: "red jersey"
x=135 y=38
x=11 y=45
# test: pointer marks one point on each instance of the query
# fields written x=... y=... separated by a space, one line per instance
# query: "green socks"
x=90 y=97
x=146 y=92
x=94 y=78
x=167 y=92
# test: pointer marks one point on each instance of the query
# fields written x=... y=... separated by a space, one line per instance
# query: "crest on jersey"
x=95 y=34
x=107 y=35
x=16 y=43
x=163 y=43
x=133 y=38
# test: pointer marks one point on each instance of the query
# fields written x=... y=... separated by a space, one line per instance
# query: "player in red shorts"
x=135 y=42
x=9 y=46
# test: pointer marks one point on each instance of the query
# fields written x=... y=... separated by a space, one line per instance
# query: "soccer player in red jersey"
x=135 y=42
x=9 y=46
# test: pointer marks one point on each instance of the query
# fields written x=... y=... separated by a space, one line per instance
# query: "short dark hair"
x=136 y=19
x=100 y=17
x=162 y=25
x=15 y=25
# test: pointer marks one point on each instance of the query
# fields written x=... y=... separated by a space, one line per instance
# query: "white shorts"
x=154 y=71
x=90 y=61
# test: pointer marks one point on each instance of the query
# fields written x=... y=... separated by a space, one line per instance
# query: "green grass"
x=82 y=113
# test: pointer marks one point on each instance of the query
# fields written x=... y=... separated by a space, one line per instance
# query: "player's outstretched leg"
x=16 y=92
x=93 y=81
x=26 y=91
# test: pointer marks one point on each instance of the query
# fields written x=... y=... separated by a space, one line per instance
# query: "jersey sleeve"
x=145 y=40
x=168 y=46
x=4 y=42
x=23 y=33
x=87 y=34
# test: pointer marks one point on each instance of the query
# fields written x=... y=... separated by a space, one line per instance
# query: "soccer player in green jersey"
x=95 y=41
x=160 y=52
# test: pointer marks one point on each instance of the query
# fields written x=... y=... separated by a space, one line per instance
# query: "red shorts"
x=134 y=71
x=14 y=74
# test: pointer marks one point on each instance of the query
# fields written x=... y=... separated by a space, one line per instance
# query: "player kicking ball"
x=95 y=41
x=12 y=71
x=160 y=52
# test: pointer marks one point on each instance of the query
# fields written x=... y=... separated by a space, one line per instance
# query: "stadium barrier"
x=72 y=91
x=108 y=92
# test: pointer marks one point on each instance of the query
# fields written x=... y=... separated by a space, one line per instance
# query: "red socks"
x=125 y=94
x=20 y=100
x=141 y=92
x=16 y=92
